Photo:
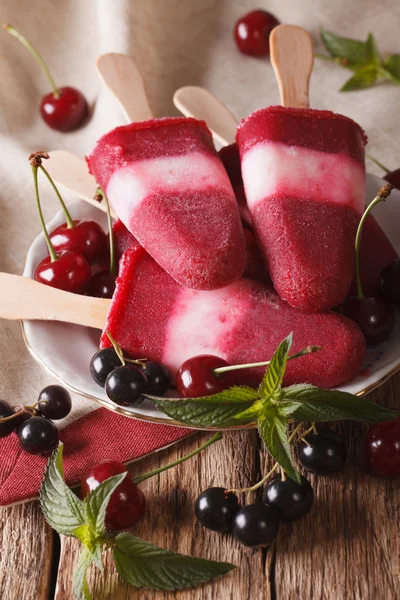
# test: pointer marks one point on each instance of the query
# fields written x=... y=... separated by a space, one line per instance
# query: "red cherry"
x=86 y=238
x=66 y=112
x=69 y=272
x=196 y=377
x=382 y=448
x=374 y=316
x=252 y=31
x=127 y=503
x=102 y=285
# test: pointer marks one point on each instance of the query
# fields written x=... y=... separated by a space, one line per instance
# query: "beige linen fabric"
x=176 y=43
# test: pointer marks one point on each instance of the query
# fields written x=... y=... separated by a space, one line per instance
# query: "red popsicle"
x=152 y=316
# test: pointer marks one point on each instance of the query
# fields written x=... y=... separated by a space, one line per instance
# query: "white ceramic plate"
x=65 y=350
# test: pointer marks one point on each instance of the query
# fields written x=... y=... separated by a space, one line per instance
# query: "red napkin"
x=99 y=435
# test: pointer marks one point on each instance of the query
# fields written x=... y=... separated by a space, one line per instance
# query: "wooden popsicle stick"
x=71 y=172
x=292 y=57
x=119 y=73
x=197 y=102
x=24 y=298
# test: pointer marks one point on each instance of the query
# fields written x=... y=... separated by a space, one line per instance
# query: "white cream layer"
x=195 y=171
x=201 y=321
x=271 y=168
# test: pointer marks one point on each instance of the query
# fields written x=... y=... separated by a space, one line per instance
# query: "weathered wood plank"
x=170 y=523
x=26 y=553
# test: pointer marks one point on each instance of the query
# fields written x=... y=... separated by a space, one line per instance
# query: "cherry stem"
x=110 y=232
x=308 y=350
x=271 y=472
x=117 y=348
x=215 y=438
x=13 y=416
x=68 y=217
x=379 y=164
x=382 y=195
x=35 y=54
x=50 y=247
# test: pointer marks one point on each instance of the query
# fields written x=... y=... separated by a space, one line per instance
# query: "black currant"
x=54 y=402
x=326 y=452
x=215 y=509
x=102 y=364
x=38 y=435
x=158 y=377
x=7 y=427
x=256 y=524
x=290 y=500
x=125 y=385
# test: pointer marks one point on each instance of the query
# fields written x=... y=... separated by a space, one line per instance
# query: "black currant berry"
x=215 y=509
x=256 y=524
x=7 y=427
x=290 y=500
x=125 y=385
x=38 y=435
x=54 y=402
x=158 y=377
x=102 y=364
x=327 y=453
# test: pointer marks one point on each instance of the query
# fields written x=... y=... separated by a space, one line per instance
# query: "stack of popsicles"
x=193 y=281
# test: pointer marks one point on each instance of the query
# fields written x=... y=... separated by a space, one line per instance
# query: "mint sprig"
x=361 y=57
x=272 y=407
x=140 y=563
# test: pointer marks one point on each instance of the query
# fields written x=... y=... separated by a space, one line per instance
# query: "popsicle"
x=304 y=178
x=168 y=186
x=152 y=315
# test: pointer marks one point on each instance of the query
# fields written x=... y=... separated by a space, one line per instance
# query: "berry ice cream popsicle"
x=152 y=315
x=168 y=186
x=304 y=179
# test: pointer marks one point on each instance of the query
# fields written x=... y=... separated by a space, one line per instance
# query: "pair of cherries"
x=73 y=247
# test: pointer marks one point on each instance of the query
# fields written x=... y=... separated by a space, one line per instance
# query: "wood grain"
x=26 y=553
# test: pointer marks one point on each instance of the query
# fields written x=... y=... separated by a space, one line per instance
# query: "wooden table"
x=347 y=548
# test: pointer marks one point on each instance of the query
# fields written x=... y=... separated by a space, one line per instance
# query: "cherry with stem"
x=64 y=108
x=84 y=236
x=65 y=270
x=103 y=283
x=374 y=315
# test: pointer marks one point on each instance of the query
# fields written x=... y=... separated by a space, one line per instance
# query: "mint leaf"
x=79 y=584
x=219 y=410
x=351 y=51
x=392 y=67
x=317 y=404
x=144 y=565
x=64 y=511
x=97 y=501
x=372 y=56
x=271 y=384
x=365 y=77
x=273 y=430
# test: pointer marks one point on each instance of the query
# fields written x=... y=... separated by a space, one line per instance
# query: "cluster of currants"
x=284 y=500
x=34 y=425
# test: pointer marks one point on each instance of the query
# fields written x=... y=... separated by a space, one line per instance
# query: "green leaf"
x=97 y=501
x=272 y=380
x=392 y=67
x=363 y=78
x=144 y=565
x=64 y=511
x=219 y=410
x=273 y=430
x=317 y=404
x=351 y=51
x=79 y=584
x=372 y=56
